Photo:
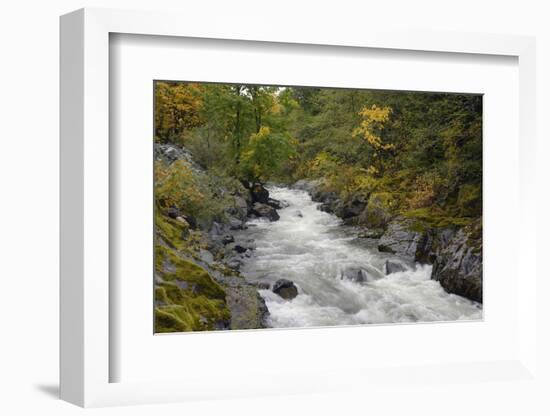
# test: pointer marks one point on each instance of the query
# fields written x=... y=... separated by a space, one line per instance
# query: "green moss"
x=436 y=218
x=188 y=298
x=165 y=321
x=186 y=271
x=171 y=231
x=177 y=234
x=185 y=311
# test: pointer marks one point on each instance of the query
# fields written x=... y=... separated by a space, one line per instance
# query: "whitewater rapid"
x=313 y=249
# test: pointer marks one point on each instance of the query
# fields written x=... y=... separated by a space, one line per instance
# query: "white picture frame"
x=85 y=217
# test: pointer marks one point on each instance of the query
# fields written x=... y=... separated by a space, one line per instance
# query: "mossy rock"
x=194 y=276
x=248 y=309
x=435 y=218
x=379 y=211
x=177 y=234
x=187 y=298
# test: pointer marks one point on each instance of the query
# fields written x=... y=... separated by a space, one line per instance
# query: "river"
x=314 y=249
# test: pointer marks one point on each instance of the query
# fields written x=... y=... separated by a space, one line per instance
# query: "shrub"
x=425 y=190
x=469 y=200
x=195 y=194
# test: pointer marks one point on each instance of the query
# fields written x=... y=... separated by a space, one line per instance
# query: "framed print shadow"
x=288 y=206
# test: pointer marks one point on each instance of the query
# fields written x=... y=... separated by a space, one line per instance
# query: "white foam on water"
x=314 y=248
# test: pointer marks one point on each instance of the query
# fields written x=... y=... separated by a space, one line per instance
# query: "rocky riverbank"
x=454 y=251
x=198 y=285
x=199 y=254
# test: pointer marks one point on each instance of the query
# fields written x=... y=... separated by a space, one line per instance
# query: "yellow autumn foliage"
x=177 y=109
x=373 y=120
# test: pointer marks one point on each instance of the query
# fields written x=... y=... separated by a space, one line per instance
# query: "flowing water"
x=316 y=251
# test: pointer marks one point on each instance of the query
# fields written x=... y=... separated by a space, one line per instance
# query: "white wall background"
x=29 y=207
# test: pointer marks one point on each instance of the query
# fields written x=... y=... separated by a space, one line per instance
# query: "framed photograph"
x=291 y=208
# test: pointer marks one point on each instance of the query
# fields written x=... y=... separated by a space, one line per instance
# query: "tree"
x=177 y=110
x=373 y=122
x=265 y=152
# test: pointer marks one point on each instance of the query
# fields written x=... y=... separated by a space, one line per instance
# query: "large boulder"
x=361 y=274
x=248 y=309
x=406 y=238
x=458 y=262
x=276 y=204
x=348 y=210
x=371 y=233
x=329 y=200
x=239 y=208
x=392 y=266
x=285 y=289
x=377 y=213
x=307 y=185
x=264 y=210
x=259 y=193
x=170 y=153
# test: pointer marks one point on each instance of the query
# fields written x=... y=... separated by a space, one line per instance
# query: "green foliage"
x=423 y=148
x=265 y=152
x=178 y=186
x=469 y=200
x=194 y=194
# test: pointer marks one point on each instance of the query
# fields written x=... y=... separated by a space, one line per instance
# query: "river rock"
x=248 y=309
x=329 y=200
x=235 y=262
x=239 y=208
x=263 y=210
x=169 y=153
x=259 y=193
x=377 y=213
x=206 y=256
x=307 y=185
x=235 y=224
x=239 y=248
x=371 y=233
x=403 y=237
x=285 y=289
x=247 y=245
x=228 y=238
x=262 y=285
x=355 y=274
x=274 y=203
x=361 y=274
x=352 y=208
x=458 y=262
x=173 y=212
x=217 y=230
x=191 y=221
x=392 y=266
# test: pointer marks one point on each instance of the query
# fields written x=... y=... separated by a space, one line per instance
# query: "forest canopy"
x=418 y=153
